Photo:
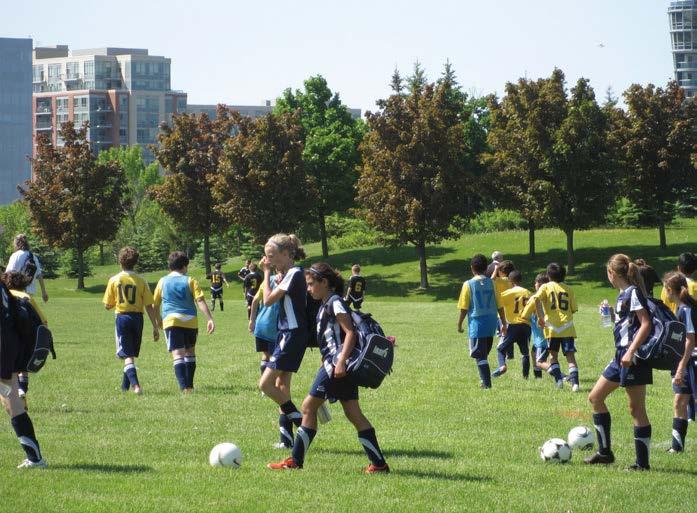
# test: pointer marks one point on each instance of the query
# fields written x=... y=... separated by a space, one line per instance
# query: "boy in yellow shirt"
x=687 y=265
x=514 y=300
x=128 y=293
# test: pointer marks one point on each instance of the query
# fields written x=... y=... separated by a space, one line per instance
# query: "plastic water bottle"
x=605 y=314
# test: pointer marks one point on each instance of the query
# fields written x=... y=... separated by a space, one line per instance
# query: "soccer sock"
x=537 y=372
x=180 y=372
x=602 y=423
x=303 y=439
x=642 y=444
x=23 y=383
x=190 y=362
x=525 y=360
x=125 y=382
x=573 y=374
x=27 y=439
x=262 y=366
x=484 y=372
x=555 y=371
x=130 y=371
x=501 y=357
x=691 y=409
x=221 y=305
x=679 y=434
x=371 y=447
x=290 y=411
x=285 y=428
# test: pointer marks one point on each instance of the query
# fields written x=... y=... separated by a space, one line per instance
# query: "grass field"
x=452 y=447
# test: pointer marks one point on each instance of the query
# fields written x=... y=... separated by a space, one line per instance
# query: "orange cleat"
x=375 y=469
x=287 y=464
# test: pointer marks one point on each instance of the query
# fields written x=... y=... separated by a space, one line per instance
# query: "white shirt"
x=16 y=263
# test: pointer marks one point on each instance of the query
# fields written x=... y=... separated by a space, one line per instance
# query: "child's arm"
x=463 y=314
x=270 y=296
x=680 y=371
x=346 y=324
x=253 y=311
x=203 y=306
x=155 y=320
x=639 y=337
x=504 y=325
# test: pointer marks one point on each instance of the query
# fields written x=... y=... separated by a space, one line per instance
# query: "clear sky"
x=243 y=52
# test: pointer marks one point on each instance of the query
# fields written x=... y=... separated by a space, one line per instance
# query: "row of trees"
x=415 y=170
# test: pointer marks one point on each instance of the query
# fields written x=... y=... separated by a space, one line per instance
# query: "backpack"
x=29 y=267
x=372 y=358
x=311 y=311
x=664 y=347
x=34 y=336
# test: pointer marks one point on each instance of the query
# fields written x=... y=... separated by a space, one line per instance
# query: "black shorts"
x=638 y=374
x=249 y=300
x=333 y=389
x=481 y=347
x=355 y=302
x=180 y=338
x=515 y=334
x=129 y=334
x=264 y=346
x=289 y=351
x=217 y=293
x=566 y=344
x=13 y=355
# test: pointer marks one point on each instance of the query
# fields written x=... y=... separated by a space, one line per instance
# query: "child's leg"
x=308 y=429
x=366 y=433
x=178 y=356
x=642 y=427
x=190 y=366
x=554 y=369
x=21 y=422
x=680 y=421
x=601 y=415
x=573 y=368
x=23 y=383
x=502 y=350
x=479 y=351
x=222 y=306
x=524 y=357
x=266 y=356
x=130 y=375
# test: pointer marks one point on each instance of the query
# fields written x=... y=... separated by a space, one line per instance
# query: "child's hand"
x=504 y=329
x=626 y=361
x=265 y=264
x=210 y=326
x=460 y=329
x=251 y=326
x=155 y=334
x=541 y=323
x=340 y=368
x=678 y=379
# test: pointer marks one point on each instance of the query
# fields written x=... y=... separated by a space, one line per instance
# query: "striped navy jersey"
x=627 y=323
x=688 y=316
x=330 y=336
x=292 y=314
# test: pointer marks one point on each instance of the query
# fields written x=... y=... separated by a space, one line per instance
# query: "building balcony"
x=43 y=111
x=72 y=77
x=101 y=108
x=686 y=65
x=684 y=46
x=680 y=26
x=102 y=125
x=39 y=80
x=44 y=126
x=688 y=83
x=680 y=5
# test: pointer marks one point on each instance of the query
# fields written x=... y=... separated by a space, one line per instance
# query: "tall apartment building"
x=15 y=116
x=682 y=16
x=124 y=93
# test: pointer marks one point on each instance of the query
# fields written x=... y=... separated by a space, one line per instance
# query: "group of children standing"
x=498 y=302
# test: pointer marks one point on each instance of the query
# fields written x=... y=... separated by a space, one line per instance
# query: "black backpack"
x=34 y=336
x=29 y=268
x=311 y=310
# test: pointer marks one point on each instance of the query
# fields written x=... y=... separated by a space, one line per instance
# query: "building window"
x=88 y=69
x=72 y=70
x=54 y=71
x=38 y=72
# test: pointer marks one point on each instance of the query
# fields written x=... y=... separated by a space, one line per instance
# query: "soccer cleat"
x=600 y=459
x=673 y=451
x=287 y=464
x=377 y=469
x=21 y=393
x=137 y=389
x=575 y=388
x=499 y=372
x=27 y=463
x=637 y=468
x=281 y=445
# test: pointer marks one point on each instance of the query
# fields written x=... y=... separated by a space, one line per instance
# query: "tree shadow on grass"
x=449 y=476
x=676 y=471
x=382 y=256
x=404 y=453
x=112 y=468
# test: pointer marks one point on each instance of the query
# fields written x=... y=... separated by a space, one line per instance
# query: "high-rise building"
x=15 y=116
x=683 y=37
x=124 y=93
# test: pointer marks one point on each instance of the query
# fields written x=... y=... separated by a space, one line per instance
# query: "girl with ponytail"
x=632 y=326
x=337 y=337
x=684 y=376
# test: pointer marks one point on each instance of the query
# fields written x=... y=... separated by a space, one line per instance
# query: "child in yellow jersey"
x=178 y=294
x=514 y=300
x=687 y=265
x=555 y=303
x=128 y=293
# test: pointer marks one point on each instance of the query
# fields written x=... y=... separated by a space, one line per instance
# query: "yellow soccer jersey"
x=20 y=294
x=128 y=292
x=176 y=294
x=514 y=301
x=501 y=284
x=691 y=288
x=559 y=304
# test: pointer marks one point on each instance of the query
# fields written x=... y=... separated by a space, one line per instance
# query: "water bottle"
x=605 y=314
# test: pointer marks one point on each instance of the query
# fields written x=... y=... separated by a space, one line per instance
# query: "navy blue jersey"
x=330 y=336
x=252 y=282
x=688 y=316
x=356 y=287
x=627 y=323
x=292 y=314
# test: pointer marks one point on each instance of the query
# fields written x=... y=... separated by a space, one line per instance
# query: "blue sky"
x=245 y=52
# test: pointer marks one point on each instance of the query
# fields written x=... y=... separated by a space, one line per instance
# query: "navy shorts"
x=14 y=356
x=689 y=380
x=326 y=387
x=180 y=338
x=129 y=334
x=567 y=344
x=481 y=347
x=638 y=374
x=217 y=293
x=355 y=303
x=516 y=334
x=289 y=350
x=263 y=345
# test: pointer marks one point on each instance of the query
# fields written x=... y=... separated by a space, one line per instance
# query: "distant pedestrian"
x=496 y=259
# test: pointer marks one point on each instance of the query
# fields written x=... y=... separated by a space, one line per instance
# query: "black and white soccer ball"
x=225 y=455
x=580 y=437
x=555 y=450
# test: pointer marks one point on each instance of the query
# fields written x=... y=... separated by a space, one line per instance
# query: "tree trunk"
x=421 y=252
x=101 y=253
x=662 y=235
x=80 y=269
x=570 y=263
x=323 y=235
x=207 y=253
x=531 y=238
x=238 y=240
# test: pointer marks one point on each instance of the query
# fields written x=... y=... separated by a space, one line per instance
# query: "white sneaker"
x=323 y=414
x=33 y=464
x=575 y=388
x=280 y=445
x=21 y=393
x=560 y=383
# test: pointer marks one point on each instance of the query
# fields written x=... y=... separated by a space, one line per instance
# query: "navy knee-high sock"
x=602 y=423
x=573 y=374
x=289 y=409
x=642 y=445
x=679 y=434
x=285 y=430
x=501 y=355
x=125 y=382
x=303 y=439
x=371 y=447
x=525 y=360
x=130 y=372
x=691 y=409
x=24 y=429
x=190 y=363
x=484 y=372
x=555 y=371
x=180 y=372
x=262 y=366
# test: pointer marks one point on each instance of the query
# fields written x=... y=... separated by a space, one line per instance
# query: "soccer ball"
x=556 y=450
x=580 y=437
x=225 y=455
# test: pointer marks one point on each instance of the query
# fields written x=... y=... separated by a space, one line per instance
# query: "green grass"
x=452 y=447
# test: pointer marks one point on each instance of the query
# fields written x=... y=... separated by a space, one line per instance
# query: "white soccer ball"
x=580 y=437
x=225 y=455
x=555 y=450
